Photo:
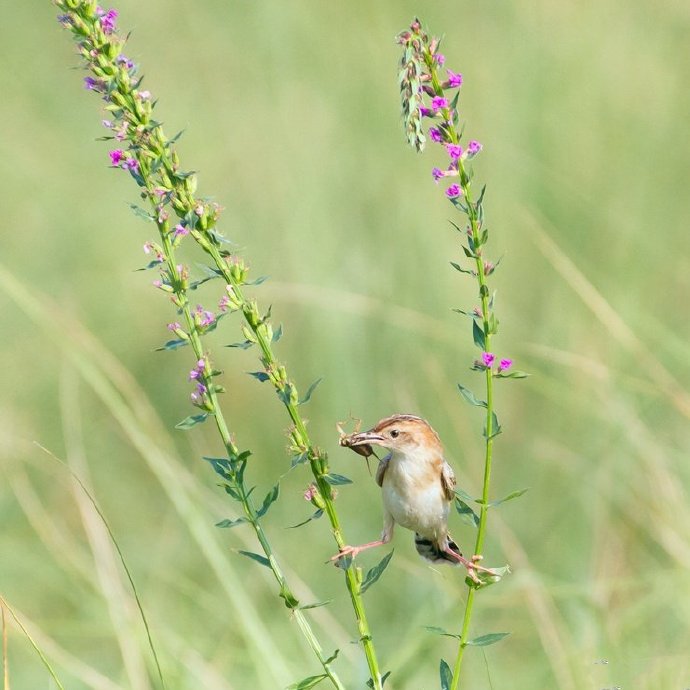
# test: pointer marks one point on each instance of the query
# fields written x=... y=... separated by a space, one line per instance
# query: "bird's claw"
x=344 y=552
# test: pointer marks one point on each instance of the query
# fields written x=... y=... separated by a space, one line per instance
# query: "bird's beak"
x=361 y=442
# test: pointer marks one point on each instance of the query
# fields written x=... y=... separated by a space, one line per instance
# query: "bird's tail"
x=431 y=551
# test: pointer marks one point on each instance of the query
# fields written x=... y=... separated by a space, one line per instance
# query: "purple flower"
x=132 y=165
x=174 y=326
x=437 y=174
x=454 y=151
x=201 y=389
x=453 y=191
x=116 y=156
x=435 y=135
x=454 y=79
x=488 y=358
x=439 y=102
x=223 y=303
x=473 y=148
x=124 y=60
x=505 y=364
x=107 y=20
x=203 y=317
x=440 y=58
x=107 y=123
x=425 y=112
x=180 y=231
x=91 y=84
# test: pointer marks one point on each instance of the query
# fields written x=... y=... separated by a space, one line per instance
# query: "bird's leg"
x=386 y=536
x=472 y=564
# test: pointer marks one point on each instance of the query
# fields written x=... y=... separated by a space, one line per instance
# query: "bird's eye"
x=395 y=433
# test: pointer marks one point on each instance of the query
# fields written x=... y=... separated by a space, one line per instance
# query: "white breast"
x=413 y=496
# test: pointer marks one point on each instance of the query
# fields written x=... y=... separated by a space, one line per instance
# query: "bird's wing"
x=448 y=481
x=381 y=469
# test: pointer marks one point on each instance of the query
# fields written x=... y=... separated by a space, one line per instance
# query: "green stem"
x=472 y=214
x=232 y=450
x=317 y=459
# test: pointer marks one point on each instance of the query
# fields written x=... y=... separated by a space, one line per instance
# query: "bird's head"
x=401 y=433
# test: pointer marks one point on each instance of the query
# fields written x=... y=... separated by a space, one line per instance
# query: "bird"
x=418 y=488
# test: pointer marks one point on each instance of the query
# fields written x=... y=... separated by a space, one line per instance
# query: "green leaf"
x=271 y=496
x=173 y=345
x=509 y=497
x=478 y=335
x=468 y=252
x=244 y=345
x=458 y=267
x=316 y=605
x=511 y=375
x=310 y=390
x=221 y=466
x=288 y=597
x=466 y=513
x=440 y=631
x=486 y=640
x=299 y=459
x=332 y=657
x=375 y=573
x=149 y=265
x=277 y=334
x=464 y=496
x=257 y=281
x=336 y=479
x=232 y=523
x=307 y=683
x=446 y=675
x=259 y=375
x=495 y=427
x=315 y=516
x=384 y=678
x=256 y=557
x=191 y=421
x=141 y=213
x=285 y=394
x=469 y=396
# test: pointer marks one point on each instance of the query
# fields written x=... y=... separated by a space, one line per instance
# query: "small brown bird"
x=418 y=488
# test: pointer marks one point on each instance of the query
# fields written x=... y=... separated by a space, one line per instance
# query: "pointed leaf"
x=277 y=334
x=446 y=675
x=336 y=479
x=440 y=631
x=486 y=640
x=466 y=513
x=232 y=523
x=271 y=496
x=469 y=396
x=221 y=466
x=458 y=267
x=495 y=427
x=259 y=375
x=288 y=597
x=173 y=345
x=256 y=557
x=375 y=573
x=478 y=336
x=384 y=678
x=257 y=281
x=315 y=516
x=299 y=460
x=316 y=605
x=464 y=496
x=141 y=213
x=509 y=497
x=310 y=682
x=244 y=345
x=191 y=421
x=332 y=657
x=511 y=375
x=310 y=390
x=285 y=394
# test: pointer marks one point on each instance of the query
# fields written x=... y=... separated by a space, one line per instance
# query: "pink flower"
x=116 y=156
x=437 y=174
x=310 y=492
x=454 y=79
x=505 y=364
x=453 y=191
x=488 y=358
x=435 y=135
x=439 y=102
x=454 y=151
x=473 y=148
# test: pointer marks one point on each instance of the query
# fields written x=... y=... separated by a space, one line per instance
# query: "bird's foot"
x=473 y=567
x=352 y=551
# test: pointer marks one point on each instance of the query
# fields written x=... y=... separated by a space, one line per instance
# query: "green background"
x=292 y=119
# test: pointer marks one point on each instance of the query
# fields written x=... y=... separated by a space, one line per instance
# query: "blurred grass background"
x=291 y=117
